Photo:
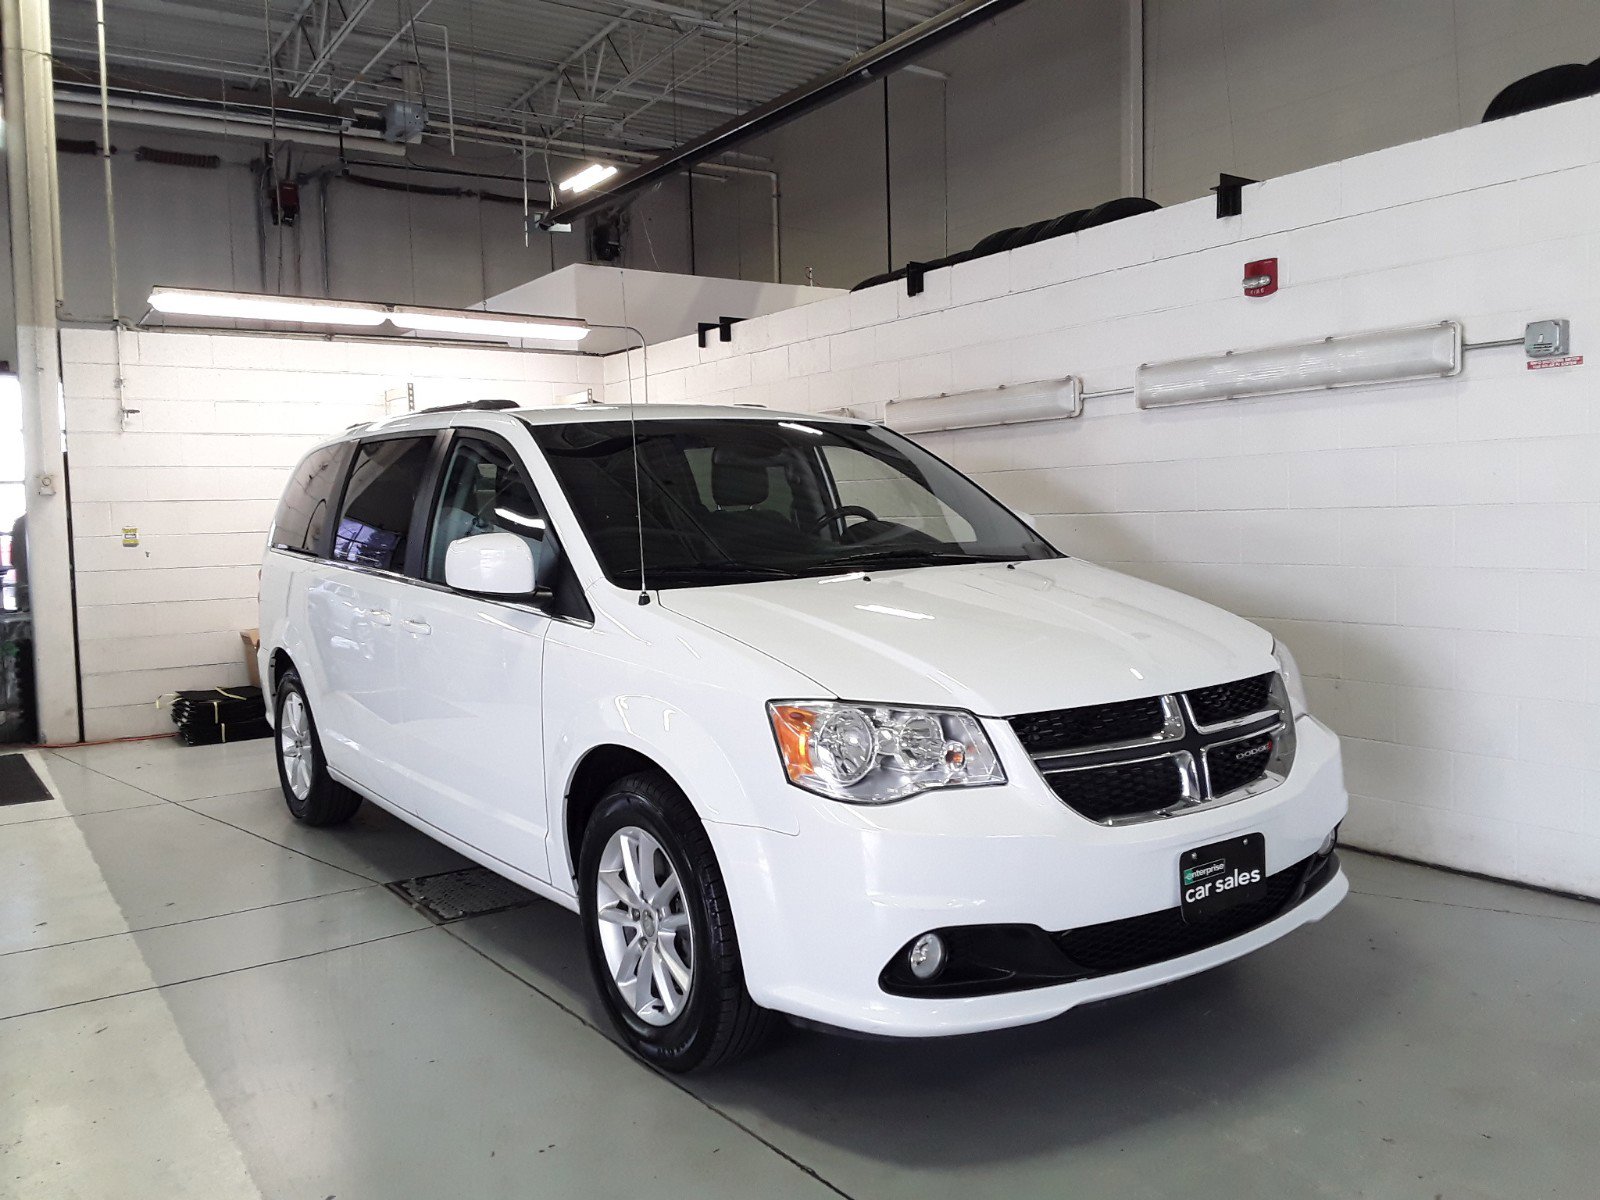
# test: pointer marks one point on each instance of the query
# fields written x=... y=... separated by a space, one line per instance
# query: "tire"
x=313 y=796
x=1025 y=235
x=1064 y=224
x=993 y=242
x=1116 y=210
x=1553 y=85
x=709 y=1022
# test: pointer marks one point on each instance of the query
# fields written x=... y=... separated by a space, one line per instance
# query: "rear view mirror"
x=490 y=564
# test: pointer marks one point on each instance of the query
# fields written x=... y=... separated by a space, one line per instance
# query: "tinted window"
x=375 y=521
x=729 y=501
x=302 y=517
x=485 y=491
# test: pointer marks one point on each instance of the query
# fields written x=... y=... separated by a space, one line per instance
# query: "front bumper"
x=821 y=913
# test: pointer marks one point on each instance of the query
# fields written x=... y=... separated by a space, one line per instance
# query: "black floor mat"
x=19 y=783
x=454 y=895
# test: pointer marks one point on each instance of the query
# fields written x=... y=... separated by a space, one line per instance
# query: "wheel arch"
x=599 y=768
x=279 y=663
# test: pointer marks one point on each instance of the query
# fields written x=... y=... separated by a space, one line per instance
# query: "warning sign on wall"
x=1540 y=364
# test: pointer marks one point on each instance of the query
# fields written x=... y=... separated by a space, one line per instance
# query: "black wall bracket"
x=1230 y=194
x=916 y=274
x=723 y=326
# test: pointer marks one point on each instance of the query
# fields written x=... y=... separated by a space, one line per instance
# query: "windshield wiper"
x=723 y=571
x=910 y=556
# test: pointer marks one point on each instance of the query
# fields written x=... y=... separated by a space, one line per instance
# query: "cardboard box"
x=252 y=652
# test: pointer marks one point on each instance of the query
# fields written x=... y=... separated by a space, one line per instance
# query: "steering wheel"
x=844 y=510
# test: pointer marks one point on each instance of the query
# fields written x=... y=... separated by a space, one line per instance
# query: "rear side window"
x=375 y=521
x=301 y=521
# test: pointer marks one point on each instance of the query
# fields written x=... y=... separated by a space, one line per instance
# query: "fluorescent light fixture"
x=296 y=310
x=311 y=310
x=582 y=181
x=1048 y=400
x=488 y=324
x=1350 y=360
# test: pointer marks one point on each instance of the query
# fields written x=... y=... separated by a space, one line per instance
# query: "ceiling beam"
x=331 y=47
x=277 y=46
x=805 y=41
x=660 y=56
x=360 y=76
x=879 y=62
x=551 y=74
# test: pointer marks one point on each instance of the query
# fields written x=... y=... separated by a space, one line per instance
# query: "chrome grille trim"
x=1172 y=730
x=1231 y=722
x=1191 y=744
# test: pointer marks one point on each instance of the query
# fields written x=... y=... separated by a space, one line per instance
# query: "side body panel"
x=687 y=698
x=473 y=753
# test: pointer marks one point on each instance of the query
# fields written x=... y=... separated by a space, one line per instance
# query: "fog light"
x=1328 y=843
x=926 y=956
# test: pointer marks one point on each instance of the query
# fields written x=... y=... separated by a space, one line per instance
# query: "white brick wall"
x=222 y=418
x=1430 y=551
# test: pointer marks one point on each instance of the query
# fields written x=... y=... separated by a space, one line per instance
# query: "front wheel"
x=659 y=930
x=313 y=796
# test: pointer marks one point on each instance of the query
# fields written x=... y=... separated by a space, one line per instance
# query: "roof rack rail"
x=473 y=406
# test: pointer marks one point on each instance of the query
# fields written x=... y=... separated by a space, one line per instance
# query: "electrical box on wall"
x=1547 y=339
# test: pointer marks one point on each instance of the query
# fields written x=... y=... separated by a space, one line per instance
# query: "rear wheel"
x=313 y=796
x=659 y=930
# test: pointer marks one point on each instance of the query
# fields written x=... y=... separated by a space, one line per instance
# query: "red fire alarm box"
x=1261 y=277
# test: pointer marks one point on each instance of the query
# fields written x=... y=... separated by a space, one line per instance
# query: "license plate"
x=1214 y=878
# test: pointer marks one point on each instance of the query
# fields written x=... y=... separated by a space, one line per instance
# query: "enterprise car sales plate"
x=1217 y=877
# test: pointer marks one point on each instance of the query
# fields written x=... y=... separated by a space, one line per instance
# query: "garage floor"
x=198 y=998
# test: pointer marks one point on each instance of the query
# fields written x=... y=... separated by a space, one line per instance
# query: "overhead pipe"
x=865 y=68
x=183 y=119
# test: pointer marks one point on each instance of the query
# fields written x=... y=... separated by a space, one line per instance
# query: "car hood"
x=995 y=639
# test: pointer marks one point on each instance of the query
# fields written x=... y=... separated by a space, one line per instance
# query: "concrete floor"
x=200 y=999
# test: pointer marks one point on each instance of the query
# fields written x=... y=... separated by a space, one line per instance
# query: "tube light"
x=299 y=310
x=587 y=178
x=311 y=310
x=488 y=324
x=1048 y=400
x=1350 y=360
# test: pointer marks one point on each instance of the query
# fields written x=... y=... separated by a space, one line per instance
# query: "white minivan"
x=799 y=719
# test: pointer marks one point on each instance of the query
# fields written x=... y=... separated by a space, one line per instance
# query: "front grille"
x=1133 y=942
x=1092 y=725
x=1136 y=760
x=1229 y=701
x=1123 y=790
x=1234 y=765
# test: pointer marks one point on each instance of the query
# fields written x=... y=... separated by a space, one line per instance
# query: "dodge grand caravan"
x=798 y=718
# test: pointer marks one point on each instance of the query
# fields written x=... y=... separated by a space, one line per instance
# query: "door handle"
x=379 y=616
x=420 y=628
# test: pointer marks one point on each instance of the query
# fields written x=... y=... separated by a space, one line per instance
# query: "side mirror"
x=490 y=564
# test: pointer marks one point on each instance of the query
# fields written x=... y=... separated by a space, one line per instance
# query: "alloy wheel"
x=294 y=744
x=644 y=926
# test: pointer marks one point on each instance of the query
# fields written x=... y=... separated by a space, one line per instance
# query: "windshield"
x=735 y=501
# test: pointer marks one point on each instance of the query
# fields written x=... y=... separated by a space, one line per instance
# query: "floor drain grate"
x=456 y=895
x=19 y=782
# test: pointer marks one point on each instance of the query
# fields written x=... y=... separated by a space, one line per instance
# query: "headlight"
x=872 y=754
x=1290 y=671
